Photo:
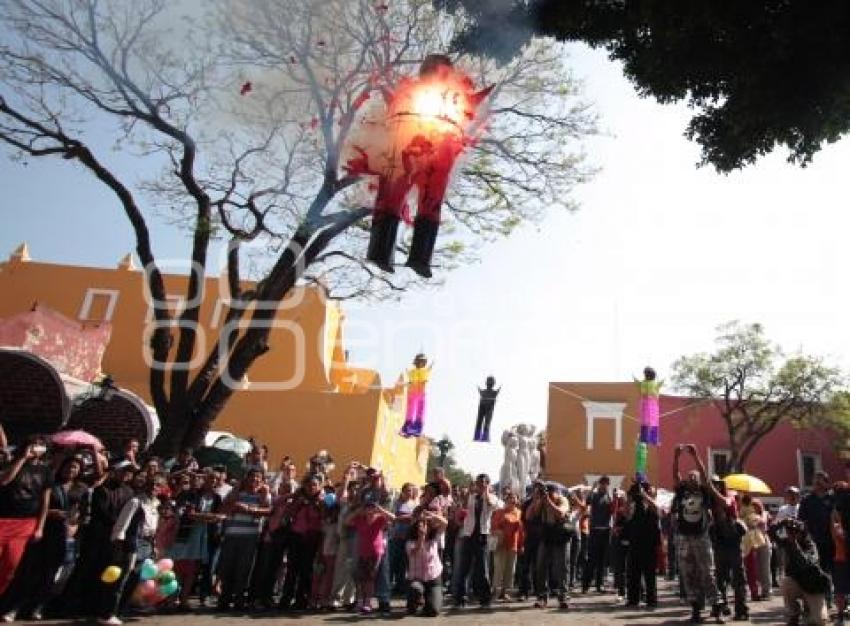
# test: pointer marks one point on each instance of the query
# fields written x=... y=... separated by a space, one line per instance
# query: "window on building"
x=98 y=305
x=810 y=464
x=719 y=462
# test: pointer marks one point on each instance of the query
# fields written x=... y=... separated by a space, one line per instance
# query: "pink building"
x=786 y=456
x=593 y=429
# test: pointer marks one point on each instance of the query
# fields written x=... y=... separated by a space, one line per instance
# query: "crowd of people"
x=283 y=540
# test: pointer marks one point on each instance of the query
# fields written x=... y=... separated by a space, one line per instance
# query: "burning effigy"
x=414 y=143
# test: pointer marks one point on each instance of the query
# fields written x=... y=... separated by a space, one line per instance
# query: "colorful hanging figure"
x=425 y=128
x=649 y=411
x=417 y=381
x=486 y=405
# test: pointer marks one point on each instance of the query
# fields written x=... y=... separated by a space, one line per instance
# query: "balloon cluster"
x=157 y=582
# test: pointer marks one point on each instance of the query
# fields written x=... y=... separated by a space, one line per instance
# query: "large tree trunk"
x=253 y=343
x=172 y=432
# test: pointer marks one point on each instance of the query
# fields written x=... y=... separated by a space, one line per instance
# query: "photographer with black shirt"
x=644 y=533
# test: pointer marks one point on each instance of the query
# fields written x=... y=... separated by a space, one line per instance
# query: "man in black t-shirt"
x=695 y=496
x=726 y=534
x=815 y=512
x=533 y=533
x=601 y=507
x=105 y=502
x=24 y=497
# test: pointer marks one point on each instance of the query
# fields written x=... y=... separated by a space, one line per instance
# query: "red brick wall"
x=113 y=421
x=32 y=399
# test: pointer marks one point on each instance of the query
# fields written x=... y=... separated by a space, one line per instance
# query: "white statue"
x=534 y=467
x=508 y=476
x=523 y=459
x=529 y=461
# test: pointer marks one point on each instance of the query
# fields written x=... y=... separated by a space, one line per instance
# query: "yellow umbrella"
x=745 y=482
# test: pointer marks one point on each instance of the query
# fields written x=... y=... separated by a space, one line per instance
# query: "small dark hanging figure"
x=485 y=409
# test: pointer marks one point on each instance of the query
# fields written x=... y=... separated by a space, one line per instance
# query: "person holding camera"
x=553 y=510
x=618 y=551
x=692 y=504
x=424 y=567
x=727 y=532
x=805 y=581
x=25 y=487
x=533 y=532
x=369 y=522
x=474 y=536
x=644 y=534
x=601 y=511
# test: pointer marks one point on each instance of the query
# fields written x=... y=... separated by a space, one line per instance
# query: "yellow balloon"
x=111 y=574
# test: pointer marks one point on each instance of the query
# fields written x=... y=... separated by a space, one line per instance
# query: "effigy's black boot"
x=382 y=241
x=422 y=246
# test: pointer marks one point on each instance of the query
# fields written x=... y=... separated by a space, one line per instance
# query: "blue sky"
x=659 y=254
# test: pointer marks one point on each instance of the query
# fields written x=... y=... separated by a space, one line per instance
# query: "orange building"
x=299 y=397
x=592 y=430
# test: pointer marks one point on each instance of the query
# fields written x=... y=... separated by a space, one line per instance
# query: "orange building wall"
x=63 y=288
x=334 y=406
x=568 y=459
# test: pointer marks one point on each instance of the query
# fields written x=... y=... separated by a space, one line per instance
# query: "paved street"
x=589 y=610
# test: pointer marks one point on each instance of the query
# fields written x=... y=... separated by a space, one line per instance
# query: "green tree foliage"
x=455 y=474
x=758 y=74
x=756 y=387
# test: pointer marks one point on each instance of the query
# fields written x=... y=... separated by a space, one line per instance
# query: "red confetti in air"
x=247 y=87
x=314 y=123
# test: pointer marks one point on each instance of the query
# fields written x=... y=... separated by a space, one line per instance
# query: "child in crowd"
x=369 y=522
x=166 y=530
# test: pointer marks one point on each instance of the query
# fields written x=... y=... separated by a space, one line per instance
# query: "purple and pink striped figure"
x=649 y=408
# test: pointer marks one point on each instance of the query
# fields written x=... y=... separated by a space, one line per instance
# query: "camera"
x=789 y=529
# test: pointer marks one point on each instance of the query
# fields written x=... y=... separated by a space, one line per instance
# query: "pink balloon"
x=148 y=587
x=165 y=565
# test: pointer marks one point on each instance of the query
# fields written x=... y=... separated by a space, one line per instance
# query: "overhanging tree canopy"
x=759 y=74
